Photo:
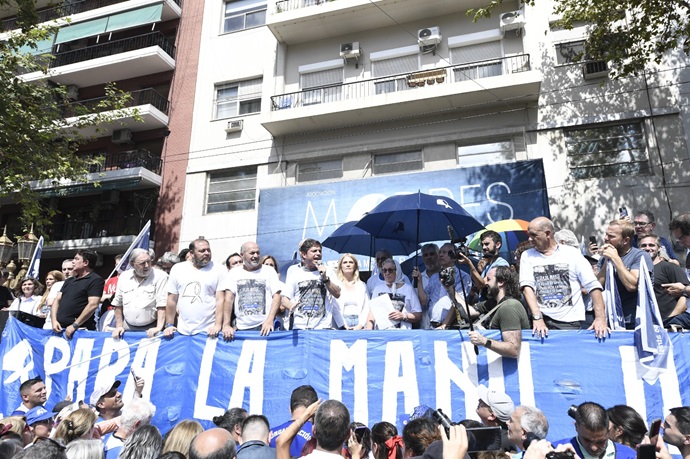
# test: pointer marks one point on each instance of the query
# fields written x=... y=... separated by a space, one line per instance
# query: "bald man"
x=214 y=442
x=552 y=277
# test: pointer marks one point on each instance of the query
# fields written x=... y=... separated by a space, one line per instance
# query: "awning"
x=120 y=21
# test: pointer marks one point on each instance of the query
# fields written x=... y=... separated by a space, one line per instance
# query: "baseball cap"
x=499 y=402
x=38 y=414
x=100 y=391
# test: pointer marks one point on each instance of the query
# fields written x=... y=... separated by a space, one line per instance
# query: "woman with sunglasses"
x=406 y=307
x=354 y=299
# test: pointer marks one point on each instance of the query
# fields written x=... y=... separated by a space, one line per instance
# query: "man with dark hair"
x=213 y=443
x=310 y=290
x=6 y=297
x=591 y=441
x=677 y=431
x=491 y=245
x=644 y=224
x=232 y=421
x=502 y=311
x=331 y=429
x=626 y=266
x=79 y=297
x=254 y=440
x=194 y=294
x=300 y=400
x=33 y=393
x=235 y=259
x=680 y=230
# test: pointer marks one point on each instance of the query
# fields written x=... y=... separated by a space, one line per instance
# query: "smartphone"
x=485 y=439
x=134 y=375
x=592 y=240
x=654 y=428
x=623 y=211
x=359 y=433
x=646 y=451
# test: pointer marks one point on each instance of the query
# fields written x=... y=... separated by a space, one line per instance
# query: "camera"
x=561 y=455
x=447 y=276
x=478 y=439
x=572 y=411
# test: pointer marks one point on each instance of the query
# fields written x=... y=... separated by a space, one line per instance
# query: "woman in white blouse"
x=353 y=301
x=29 y=298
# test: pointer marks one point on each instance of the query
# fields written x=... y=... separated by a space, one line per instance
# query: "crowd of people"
x=548 y=285
x=110 y=428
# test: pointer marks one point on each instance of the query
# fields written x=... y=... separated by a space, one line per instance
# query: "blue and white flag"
x=651 y=340
x=35 y=264
x=614 y=307
x=140 y=242
x=583 y=247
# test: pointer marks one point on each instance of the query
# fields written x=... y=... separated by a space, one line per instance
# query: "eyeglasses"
x=388 y=270
x=641 y=223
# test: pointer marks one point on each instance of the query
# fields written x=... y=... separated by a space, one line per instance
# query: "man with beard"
x=194 y=294
x=447 y=257
x=491 y=245
x=140 y=297
x=310 y=291
x=252 y=291
x=625 y=259
x=501 y=312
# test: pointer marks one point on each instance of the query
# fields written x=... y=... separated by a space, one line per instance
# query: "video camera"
x=478 y=438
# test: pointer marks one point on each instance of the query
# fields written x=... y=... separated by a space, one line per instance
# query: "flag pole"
x=141 y=242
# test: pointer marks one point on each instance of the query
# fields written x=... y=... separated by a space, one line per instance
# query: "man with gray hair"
x=135 y=414
x=254 y=439
x=141 y=296
x=526 y=419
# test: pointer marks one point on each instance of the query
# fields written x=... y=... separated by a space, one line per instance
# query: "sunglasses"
x=388 y=270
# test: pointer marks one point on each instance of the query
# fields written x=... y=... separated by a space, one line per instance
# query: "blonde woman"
x=19 y=426
x=353 y=300
x=79 y=424
x=43 y=307
x=180 y=437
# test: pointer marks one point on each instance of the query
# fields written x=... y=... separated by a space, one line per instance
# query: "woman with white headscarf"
x=406 y=307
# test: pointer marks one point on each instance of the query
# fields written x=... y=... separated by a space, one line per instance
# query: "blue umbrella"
x=348 y=238
x=418 y=217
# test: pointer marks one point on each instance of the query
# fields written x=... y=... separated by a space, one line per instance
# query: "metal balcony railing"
x=82 y=227
x=114 y=47
x=290 y=5
x=127 y=160
x=141 y=97
x=66 y=9
x=402 y=82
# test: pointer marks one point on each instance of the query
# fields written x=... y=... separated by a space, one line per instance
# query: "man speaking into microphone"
x=311 y=291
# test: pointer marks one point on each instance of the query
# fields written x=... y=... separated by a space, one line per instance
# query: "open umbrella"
x=418 y=217
x=512 y=231
x=352 y=239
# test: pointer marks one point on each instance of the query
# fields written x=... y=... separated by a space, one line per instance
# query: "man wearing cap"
x=108 y=401
x=40 y=421
x=494 y=410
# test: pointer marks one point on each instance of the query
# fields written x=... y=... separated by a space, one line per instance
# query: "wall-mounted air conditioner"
x=234 y=126
x=512 y=20
x=350 y=50
x=121 y=136
x=430 y=36
x=595 y=69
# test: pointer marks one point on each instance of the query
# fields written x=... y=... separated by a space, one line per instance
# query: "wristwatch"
x=537 y=317
x=487 y=344
x=75 y=325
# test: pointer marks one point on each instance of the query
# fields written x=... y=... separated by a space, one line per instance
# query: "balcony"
x=109 y=236
x=111 y=61
x=147 y=104
x=458 y=87
x=299 y=21
x=73 y=8
x=128 y=160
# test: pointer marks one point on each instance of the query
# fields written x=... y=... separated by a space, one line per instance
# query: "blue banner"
x=379 y=375
x=288 y=215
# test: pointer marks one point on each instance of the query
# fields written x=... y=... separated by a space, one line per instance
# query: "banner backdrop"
x=379 y=375
x=288 y=215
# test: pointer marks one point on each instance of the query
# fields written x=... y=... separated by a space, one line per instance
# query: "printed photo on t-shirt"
x=251 y=297
x=312 y=298
x=553 y=285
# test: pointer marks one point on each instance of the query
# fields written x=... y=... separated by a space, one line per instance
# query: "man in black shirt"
x=79 y=297
x=6 y=296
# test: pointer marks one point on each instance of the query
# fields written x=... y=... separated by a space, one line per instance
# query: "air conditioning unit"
x=121 y=136
x=110 y=197
x=429 y=37
x=594 y=70
x=350 y=50
x=72 y=92
x=512 y=20
x=234 y=126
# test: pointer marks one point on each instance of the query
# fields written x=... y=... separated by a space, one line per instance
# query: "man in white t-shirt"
x=310 y=290
x=551 y=277
x=252 y=292
x=194 y=294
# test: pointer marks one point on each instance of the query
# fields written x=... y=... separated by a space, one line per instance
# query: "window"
x=231 y=190
x=239 y=98
x=243 y=14
x=398 y=162
x=477 y=61
x=485 y=153
x=607 y=151
x=570 y=53
x=397 y=66
x=327 y=84
x=320 y=170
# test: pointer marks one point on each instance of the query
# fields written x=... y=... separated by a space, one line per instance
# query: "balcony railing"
x=402 y=82
x=114 y=47
x=141 y=97
x=66 y=9
x=81 y=227
x=128 y=160
x=290 y=5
